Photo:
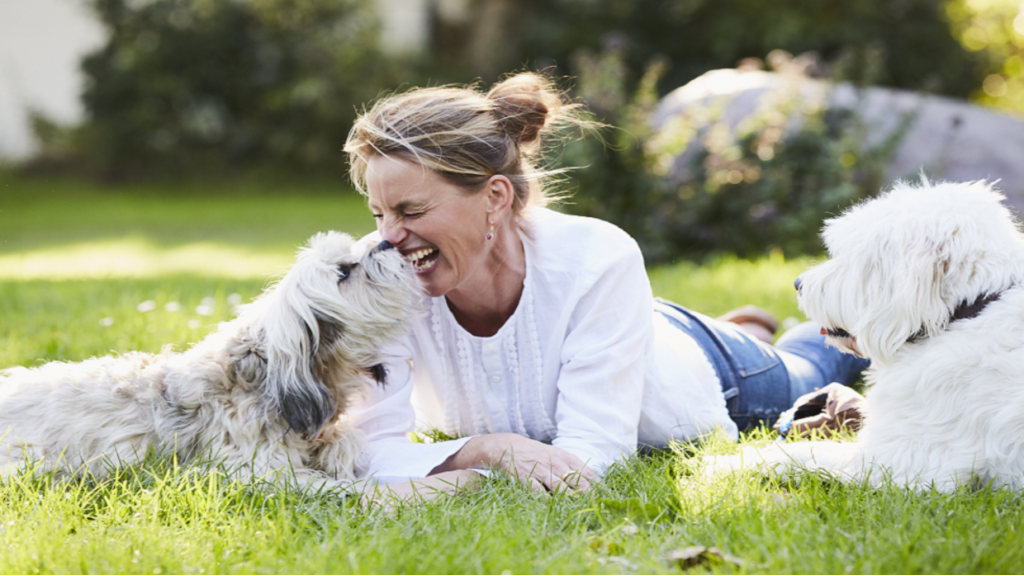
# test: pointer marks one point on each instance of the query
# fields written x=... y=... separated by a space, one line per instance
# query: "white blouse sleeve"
x=601 y=382
x=385 y=415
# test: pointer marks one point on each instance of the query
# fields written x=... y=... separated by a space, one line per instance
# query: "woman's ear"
x=500 y=195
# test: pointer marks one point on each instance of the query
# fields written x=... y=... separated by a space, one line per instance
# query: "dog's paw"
x=715 y=466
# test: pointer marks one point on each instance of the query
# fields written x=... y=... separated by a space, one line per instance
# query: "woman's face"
x=437 y=226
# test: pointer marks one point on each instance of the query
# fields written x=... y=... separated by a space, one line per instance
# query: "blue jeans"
x=760 y=381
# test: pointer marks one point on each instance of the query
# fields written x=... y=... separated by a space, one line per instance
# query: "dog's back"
x=66 y=414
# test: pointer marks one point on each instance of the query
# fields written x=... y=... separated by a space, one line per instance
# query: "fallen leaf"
x=602 y=546
x=634 y=508
x=693 y=556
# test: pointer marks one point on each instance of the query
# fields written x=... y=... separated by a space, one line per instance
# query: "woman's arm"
x=602 y=357
x=542 y=465
x=385 y=415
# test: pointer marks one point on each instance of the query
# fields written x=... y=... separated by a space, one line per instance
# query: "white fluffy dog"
x=927 y=283
x=265 y=394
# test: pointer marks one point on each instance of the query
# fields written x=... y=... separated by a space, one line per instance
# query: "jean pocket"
x=747 y=356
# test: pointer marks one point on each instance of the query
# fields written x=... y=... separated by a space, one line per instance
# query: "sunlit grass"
x=132 y=277
x=58 y=229
x=154 y=518
x=721 y=285
x=138 y=257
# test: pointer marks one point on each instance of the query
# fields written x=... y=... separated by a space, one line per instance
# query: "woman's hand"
x=542 y=466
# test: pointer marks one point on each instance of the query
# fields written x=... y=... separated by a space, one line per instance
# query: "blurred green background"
x=242 y=107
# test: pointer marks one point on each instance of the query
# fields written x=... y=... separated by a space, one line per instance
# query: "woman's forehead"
x=391 y=181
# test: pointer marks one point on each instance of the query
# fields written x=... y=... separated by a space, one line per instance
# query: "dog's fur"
x=265 y=394
x=945 y=406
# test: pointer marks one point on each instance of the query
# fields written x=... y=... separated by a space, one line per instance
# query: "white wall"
x=405 y=24
x=41 y=43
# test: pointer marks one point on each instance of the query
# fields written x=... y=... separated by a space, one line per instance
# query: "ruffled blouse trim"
x=528 y=414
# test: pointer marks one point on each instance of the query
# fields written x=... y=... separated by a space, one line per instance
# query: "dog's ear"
x=291 y=340
x=918 y=285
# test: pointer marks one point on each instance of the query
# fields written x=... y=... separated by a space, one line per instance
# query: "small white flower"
x=193 y=324
x=146 y=306
x=234 y=299
x=106 y=321
x=204 y=310
x=208 y=301
x=172 y=306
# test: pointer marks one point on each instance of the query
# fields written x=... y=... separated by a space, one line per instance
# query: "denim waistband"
x=747 y=369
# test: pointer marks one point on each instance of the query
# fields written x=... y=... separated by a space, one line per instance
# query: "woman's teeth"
x=417 y=258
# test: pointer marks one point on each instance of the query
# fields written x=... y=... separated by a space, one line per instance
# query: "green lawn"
x=64 y=297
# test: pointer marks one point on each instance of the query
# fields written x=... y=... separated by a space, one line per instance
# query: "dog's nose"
x=384 y=245
x=796 y=284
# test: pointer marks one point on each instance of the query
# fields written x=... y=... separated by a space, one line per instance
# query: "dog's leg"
x=921 y=466
x=843 y=459
x=293 y=461
x=14 y=457
x=338 y=451
x=18 y=457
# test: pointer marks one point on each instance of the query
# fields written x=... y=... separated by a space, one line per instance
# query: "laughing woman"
x=541 y=348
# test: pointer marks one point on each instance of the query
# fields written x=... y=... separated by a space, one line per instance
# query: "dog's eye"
x=343 y=271
x=837 y=333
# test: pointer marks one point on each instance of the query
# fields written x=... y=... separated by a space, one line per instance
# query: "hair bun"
x=523 y=104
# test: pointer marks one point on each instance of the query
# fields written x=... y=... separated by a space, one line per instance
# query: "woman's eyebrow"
x=403 y=206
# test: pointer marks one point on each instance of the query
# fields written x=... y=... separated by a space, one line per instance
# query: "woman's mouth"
x=423 y=260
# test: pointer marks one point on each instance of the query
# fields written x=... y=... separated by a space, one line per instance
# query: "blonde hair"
x=467 y=136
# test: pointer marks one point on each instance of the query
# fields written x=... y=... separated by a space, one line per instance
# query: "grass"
x=156 y=518
x=60 y=229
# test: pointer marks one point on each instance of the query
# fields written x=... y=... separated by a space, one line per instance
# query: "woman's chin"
x=431 y=291
x=429 y=282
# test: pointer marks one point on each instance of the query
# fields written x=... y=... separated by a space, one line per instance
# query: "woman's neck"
x=483 y=305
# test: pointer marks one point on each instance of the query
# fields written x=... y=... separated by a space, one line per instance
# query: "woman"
x=541 y=346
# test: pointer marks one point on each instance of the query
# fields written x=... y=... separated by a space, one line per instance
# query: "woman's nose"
x=392 y=231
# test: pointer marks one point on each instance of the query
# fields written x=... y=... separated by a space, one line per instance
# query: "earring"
x=490 y=233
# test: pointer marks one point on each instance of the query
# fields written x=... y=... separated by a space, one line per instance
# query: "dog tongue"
x=824 y=332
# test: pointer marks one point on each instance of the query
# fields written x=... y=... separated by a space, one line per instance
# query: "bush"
x=186 y=84
x=760 y=187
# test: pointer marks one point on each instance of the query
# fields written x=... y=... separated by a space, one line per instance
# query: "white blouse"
x=580 y=364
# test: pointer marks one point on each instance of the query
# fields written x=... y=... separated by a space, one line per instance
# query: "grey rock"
x=948 y=139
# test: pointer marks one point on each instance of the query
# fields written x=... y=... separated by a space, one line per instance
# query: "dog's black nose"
x=384 y=245
x=796 y=284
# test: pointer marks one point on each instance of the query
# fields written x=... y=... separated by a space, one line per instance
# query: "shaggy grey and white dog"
x=265 y=394
x=925 y=281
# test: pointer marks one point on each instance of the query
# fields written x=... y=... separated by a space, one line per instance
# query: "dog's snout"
x=796 y=284
x=384 y=245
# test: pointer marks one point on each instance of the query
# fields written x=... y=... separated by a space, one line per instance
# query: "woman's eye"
x=412 y=215
x=378 y=216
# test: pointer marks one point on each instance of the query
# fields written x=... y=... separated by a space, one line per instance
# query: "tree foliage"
x=900 y=43
x=994 y=29
x=187 y=83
